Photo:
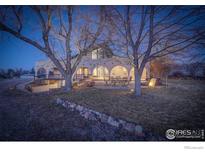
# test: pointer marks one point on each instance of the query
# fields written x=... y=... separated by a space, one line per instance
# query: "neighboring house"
x=100 y=64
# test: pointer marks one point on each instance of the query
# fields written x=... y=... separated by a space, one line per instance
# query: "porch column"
x=129 y=73
x=35 y=73
x=47 y=73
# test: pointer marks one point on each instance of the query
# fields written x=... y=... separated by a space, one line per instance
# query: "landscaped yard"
x=181 y=105
x=36 y=117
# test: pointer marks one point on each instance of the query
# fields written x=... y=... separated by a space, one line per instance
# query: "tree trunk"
x=137 y=83
x=68 y=83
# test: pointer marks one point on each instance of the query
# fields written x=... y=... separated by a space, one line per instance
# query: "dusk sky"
x=14 y=53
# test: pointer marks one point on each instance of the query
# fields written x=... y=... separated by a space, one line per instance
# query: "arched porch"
x=119 y=72
x=41 y=73
x=81 y=73
x=143 y=77
x=100 y=73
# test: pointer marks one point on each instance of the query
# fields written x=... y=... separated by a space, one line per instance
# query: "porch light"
x=152 y=82
x=132 y=90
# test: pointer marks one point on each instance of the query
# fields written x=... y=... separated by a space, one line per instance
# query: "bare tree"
x=160 y=67
x=148 y=32
x=199 y=54
x=61 y=32
x=193 y=68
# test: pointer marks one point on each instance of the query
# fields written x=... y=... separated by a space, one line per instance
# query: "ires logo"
x=186 y=133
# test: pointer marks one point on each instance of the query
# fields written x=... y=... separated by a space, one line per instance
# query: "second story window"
x=97 y=54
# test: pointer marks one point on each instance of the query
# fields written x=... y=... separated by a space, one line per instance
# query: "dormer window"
x=97 y=54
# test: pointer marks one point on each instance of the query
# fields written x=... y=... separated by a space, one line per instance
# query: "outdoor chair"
x=112 y=81
x=107 y=80
x=125 y=81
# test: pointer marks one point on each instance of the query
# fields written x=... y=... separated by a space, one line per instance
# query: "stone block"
x=138 y=129
x=129 y=127
x=91 y=116
x=72 y=106
x=113 y=121
x=79 y=108
x=64 y=104
x=104 y=118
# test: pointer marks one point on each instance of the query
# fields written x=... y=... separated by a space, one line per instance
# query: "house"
x=100 y=64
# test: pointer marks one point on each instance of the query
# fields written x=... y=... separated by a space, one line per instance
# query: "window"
x=97 y=54
x=100 y=54
x=82 y=72
x=101 y=72
x=79 y=71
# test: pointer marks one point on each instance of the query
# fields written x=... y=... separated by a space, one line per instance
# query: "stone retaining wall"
x=94 y=115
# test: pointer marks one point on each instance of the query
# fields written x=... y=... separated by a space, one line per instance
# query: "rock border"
x=97 y=116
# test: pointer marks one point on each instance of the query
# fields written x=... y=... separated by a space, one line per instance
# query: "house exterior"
x=99 y=64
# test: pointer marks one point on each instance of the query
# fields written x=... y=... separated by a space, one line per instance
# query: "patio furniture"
x=113 y=81
x=124 y=81
x=90 y=83
x=119 y=81
x=107 y=80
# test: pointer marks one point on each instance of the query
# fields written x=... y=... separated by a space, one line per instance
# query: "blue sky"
x=15 y=53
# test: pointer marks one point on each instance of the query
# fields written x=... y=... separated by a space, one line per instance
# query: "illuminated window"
x=79 y=71
x=100 y=54
x=86 y=71
x=83 y=71
x=97 y=54
x=101 y=72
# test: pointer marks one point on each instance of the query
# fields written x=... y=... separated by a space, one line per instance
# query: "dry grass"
x=35 y=117
x=180 y=106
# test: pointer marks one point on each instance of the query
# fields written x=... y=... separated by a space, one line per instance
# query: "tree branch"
x=5 y=28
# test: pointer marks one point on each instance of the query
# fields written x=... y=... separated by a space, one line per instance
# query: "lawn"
x=35 y=117
x=181 y=105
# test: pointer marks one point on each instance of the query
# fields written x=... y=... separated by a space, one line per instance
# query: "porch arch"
x=82 y=72
x=41 y=72
x=100 y=72
x=119 y=71
x=143 y=77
